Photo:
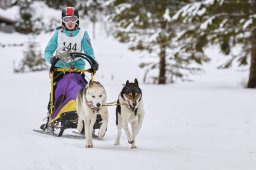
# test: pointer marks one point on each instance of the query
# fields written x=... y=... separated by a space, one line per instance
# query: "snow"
x=207 y=23
x=166 y=15
x=122 y=7
x=10 y=13
x=208 y=124
x=247 y=23
x=39 y=10
x=189 y=10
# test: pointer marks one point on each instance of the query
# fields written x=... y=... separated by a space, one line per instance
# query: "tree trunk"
x=252 y=76
x=162 y=64
x=162 y=55
x=93 y=30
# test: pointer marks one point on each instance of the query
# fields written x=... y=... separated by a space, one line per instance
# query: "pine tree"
x=59 y=4
x=32 y=60
x=147 y=26
x=227 y=23
x=25 y=23
x=94 y=10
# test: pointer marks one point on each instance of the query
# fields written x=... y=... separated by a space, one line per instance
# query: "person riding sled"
x=68 y=37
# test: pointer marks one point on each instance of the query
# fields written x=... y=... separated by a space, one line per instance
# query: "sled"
x=62 y=105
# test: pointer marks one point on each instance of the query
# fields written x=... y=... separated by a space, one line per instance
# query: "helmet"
x=70 y=11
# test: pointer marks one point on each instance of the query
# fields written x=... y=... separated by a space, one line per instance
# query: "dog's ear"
x=136 y=82
x=127 y=83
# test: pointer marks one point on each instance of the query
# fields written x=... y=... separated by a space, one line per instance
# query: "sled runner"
x=65 y=85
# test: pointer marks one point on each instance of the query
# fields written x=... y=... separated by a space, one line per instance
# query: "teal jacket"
x=53 y=44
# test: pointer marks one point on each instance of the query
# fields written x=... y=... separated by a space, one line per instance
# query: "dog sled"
x=65 y=85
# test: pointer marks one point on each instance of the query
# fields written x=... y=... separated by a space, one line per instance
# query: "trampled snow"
x=208 y=124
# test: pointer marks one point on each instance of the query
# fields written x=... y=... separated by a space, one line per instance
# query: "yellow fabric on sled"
x=69 y=107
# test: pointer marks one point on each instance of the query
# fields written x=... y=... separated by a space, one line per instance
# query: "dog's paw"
x=131 y=141
x=133 y=147
x=89 y=146
x=101 y=133
x=116 y=143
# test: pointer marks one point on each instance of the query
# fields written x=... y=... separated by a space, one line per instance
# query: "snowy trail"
x=206 y=125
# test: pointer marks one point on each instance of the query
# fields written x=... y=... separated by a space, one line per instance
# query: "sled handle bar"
x=76 y=55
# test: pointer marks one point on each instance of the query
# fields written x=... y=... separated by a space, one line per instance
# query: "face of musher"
x=70 y=20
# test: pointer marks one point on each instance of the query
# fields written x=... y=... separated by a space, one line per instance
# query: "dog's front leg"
x=118 y=136
x=80 y=117
x=139 y=124
x=104 y=125
x=88 y=135
x=119 y=130
x=134 y=129
x=92 y=122
x=127 y=132
x=80 y=124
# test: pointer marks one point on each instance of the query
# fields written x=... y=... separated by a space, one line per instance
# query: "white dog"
x=129 y=110
x=90 y=101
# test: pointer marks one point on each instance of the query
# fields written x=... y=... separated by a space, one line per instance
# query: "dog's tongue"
x=130 y=105
x=97 y=109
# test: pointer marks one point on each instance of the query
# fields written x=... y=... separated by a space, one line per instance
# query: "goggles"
x=68 y=19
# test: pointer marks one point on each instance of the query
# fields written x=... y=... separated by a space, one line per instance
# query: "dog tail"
x=118 y=111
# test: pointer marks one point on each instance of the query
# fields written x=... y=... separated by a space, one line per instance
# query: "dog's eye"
x=129 y=95
x=137 y=95
x=93 y=96
x=100 y=96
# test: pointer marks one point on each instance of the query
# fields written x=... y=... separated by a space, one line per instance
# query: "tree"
x=33 y=59
x=25 y=23
x=58 y=4
x=94 y=10
x=228 y=23
x=147 y=26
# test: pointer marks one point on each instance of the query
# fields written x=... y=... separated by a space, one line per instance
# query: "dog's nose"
x=98 y=104
x=134 y=104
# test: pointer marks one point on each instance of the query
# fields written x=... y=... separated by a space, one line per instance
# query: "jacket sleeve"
x=51 y=47
x=86 y=45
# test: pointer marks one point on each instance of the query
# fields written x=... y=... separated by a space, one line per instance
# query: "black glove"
x=95 y=66
x=53 y=59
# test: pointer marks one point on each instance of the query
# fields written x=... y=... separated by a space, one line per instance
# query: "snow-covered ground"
x=205 y=125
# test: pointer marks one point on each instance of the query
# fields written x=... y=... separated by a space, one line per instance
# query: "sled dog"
x=129 y=110
x=90 y=101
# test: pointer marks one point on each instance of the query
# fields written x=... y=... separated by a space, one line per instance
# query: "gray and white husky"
x=90 y=101
x=129 y=110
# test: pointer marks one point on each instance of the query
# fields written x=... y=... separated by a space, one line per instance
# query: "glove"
x=95 y=67
x=64 y=56
x=53 y=59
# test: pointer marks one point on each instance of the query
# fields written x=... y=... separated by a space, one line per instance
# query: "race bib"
x=74 y=44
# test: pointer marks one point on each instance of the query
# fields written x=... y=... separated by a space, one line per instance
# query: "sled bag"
x=65 y=94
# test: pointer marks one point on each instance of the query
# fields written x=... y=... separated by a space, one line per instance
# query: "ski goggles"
x=68 y=19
